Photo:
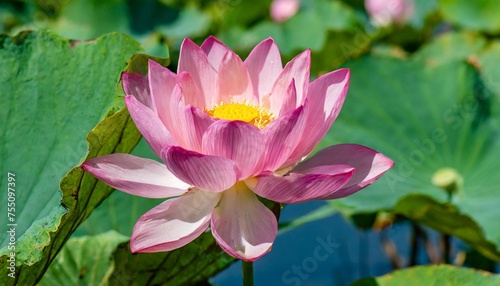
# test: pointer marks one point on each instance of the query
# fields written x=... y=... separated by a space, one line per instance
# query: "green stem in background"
x=432 y=253
x=446 y=237
x=247 y=268
x=450 y=181
x=415 y=236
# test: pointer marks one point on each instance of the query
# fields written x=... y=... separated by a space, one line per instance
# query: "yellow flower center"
x=256 y=115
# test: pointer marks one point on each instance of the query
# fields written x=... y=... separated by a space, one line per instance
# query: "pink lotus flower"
x=386 y=12
x=282 y=10
x=229 y=131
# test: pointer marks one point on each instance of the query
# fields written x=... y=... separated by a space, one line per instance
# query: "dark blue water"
x=329 y=251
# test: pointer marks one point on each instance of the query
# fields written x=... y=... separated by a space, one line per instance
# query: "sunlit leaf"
x=433 y=275
x=84 y=261
x=479 y=15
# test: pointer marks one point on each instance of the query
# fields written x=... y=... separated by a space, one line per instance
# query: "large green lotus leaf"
x=58 y=90
x=473 y=48
x=84 y=261
x=476 y=15
x=425 y=119
x=433 y=275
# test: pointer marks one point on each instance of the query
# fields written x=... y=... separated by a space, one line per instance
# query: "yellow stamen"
x=256 y=115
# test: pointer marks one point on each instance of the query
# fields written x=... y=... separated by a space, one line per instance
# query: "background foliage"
x=427 y=94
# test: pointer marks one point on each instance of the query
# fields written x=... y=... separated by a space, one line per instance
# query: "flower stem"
x=247 y=268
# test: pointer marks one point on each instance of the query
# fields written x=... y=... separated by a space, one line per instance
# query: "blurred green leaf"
x=155 y=45
x=320 y=16
x=432 y=275
x=480 y=15
x=52 y=103
x=291 y=36
x=149 y=22
x=84 y=261
x=476 y=50
x=446 y=219
x=335 y=15
x=425 y=118
x=242 y=40
x=490 y=72
x=451 y=47
x=340 y=48
x=84 y=19
x=298 y=38
x=238 y=12
x=191 y=22
x=422 y=10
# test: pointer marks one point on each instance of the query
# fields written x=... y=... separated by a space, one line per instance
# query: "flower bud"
x=282 y=10
x=386 y=12
x=448 y=179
